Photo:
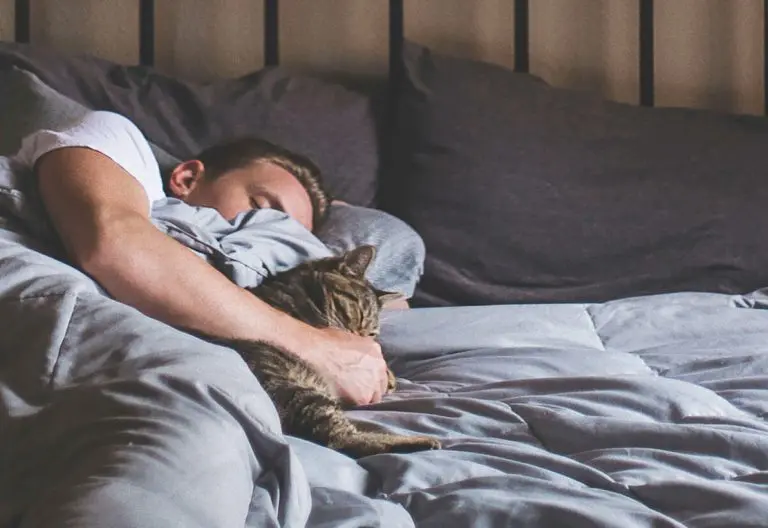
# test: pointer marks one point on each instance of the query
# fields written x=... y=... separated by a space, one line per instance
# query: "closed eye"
x=263 y=201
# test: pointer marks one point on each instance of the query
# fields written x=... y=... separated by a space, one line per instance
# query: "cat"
x=329 y=292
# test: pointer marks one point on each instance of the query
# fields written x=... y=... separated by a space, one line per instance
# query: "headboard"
x=520 y=40
x=536 y=182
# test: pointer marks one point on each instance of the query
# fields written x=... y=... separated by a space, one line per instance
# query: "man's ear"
x=185 y=177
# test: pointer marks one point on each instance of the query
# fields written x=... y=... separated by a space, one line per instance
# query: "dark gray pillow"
x=528 y=193
x=27 y=105
x=332 y=125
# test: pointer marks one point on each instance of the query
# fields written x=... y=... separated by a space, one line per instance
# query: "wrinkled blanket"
x=644 y=412
x=250 y=248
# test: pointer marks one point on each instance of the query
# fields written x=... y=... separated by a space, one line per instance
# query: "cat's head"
x=330 y=292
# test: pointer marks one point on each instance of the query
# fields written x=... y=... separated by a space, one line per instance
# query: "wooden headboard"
x=704 y=53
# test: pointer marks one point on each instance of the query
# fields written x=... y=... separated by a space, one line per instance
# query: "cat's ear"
x=385 y=297
x=359 y=259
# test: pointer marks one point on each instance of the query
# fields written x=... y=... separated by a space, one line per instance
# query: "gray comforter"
x=636 y=413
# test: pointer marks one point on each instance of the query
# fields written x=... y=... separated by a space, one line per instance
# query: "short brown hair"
x=241 y=152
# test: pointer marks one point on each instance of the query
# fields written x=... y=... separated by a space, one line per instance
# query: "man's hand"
x=353 y=365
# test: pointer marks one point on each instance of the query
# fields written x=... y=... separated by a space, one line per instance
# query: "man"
x=97 y=180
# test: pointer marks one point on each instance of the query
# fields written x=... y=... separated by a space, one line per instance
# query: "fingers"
x=380 y=384
x=380 y=388
x=376 y=396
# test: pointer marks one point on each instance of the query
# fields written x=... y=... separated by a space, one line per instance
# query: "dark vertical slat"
x=22 y=22
x=765 y=56
x=387 y=195
x=646 y=53
x=396 y=37
x=271 y=33
x=147 y=32
x=522 y=36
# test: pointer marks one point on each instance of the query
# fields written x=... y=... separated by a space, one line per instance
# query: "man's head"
x=251 y=173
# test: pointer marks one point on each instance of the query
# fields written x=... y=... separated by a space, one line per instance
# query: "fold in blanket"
x=251 y=247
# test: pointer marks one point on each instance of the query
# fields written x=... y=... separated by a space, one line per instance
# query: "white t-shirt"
x=108 y=133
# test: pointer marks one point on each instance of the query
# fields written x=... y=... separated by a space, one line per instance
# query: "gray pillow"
x=524 y=192
x=399 y=260
x=27 y=104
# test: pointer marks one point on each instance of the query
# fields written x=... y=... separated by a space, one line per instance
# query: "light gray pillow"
x=400 y=251
x=27 y=105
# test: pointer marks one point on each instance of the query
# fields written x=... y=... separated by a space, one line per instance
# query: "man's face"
x=258 y=186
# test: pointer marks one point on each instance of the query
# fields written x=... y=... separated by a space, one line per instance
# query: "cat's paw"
x=407 y=444
x=391 y=381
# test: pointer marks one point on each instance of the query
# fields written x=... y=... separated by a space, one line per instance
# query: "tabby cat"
x=330 y=292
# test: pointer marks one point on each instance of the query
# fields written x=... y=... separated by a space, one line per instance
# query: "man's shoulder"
x=105 y=119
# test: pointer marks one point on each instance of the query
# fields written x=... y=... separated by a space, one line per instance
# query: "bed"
x=589 y=340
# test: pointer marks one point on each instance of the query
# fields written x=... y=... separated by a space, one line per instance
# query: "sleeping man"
x=98 y=180
x=221 y=180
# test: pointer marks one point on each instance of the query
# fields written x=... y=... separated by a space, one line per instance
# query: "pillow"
x=332 y=125
x=399 y=260
x=27 y=104
x=526 y=193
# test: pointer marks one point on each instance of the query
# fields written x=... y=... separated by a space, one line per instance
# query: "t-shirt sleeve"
x=108 y=133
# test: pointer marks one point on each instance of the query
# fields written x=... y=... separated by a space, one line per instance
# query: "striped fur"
x=329 y=292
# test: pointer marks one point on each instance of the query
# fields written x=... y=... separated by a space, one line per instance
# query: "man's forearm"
x=101 y=214
x=142 y=267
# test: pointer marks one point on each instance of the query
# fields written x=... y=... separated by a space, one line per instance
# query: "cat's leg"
x=367 y=443
x=318 y=416
x=309 y=409
x=391 y=381
x=334 y=429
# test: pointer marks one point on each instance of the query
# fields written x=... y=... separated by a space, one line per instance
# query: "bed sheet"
x=634 y=413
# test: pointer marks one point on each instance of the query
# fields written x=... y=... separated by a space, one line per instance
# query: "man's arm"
x=99 y=212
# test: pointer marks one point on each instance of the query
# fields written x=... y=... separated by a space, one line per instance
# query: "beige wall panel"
x=698 y=42
x=204 y=39
x=482 y=29
x=6 y=20
x=587 y=44
x=335 y=37
x=709 y=52
x=105 y=28
x=746 y=54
